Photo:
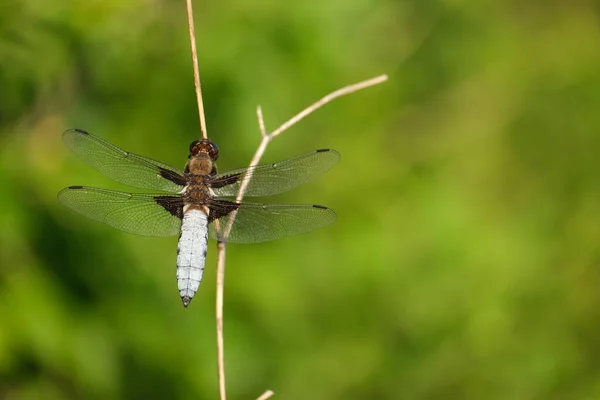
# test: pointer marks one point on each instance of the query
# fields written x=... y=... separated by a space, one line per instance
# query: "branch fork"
x=262 y=147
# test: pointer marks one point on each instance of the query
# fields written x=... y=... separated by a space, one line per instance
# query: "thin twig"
x=219 y=316
x=190 y=13
x=266 y=395
x=266 y=139
x=331 y=96
x=261 y=121
x=221 y=260
x=221 y=246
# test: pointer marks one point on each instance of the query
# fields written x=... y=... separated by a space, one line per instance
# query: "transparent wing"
x=278 y=177
x=140 y=214
x=122 y=166
x=256 y=222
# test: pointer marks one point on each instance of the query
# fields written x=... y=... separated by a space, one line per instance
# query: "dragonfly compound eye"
x=213 y=150
x=195 y=147
x=204 y=146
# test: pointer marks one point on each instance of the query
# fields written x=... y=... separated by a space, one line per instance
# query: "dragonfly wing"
x=140 y=214
x=255 y=222
x=278 y=177
x=122 y=166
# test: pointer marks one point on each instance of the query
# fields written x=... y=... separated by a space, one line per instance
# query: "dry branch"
x=266 y=138
x=190 y=15
x=266 y=395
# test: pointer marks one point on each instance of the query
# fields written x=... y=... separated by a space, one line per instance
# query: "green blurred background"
x=465 y=262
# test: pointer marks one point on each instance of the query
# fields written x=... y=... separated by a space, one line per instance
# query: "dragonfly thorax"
x=200 y=165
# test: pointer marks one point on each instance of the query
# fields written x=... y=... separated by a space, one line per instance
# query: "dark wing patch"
x=225 y=180
x=173 y=204
x=220 y=208
x=172 y=176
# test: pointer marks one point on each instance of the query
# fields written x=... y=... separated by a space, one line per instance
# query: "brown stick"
x=266 y=139
x=219 y=316
x=221 y=246
x=190 y=13
x=221 y=260
x=266 y=395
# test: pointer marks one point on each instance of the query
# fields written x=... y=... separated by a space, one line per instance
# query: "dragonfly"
x=197 y=202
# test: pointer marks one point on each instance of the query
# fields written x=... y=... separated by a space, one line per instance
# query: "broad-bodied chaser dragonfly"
x=195 y=198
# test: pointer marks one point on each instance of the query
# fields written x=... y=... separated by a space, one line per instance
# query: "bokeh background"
x=465 y=263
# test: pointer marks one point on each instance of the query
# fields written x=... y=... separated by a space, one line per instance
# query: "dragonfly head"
x=204 y=146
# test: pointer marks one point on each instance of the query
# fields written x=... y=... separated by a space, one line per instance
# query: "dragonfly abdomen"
x=191 y=253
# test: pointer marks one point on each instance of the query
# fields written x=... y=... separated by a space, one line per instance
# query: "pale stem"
x=221 y=259
x=219 y=316
x=221 y=246
x=327 y=99
x=261 y=121
x=190 y=13
x=266 y=395
x=286 y=125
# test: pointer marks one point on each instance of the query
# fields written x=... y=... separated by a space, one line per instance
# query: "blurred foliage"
x=465 y=262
